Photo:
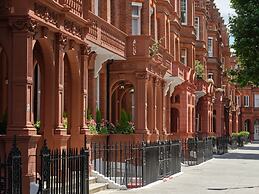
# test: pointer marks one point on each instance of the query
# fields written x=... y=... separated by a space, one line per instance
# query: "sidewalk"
x=234 y=173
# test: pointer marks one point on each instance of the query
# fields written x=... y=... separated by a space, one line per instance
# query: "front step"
x=96 y=187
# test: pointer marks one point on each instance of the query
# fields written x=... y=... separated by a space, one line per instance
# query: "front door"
x=256 y=130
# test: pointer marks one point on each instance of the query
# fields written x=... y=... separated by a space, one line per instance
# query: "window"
x=96 y=7
x=184 y=56
x=136 y=18
x=210 y=47
x=197 y=27
x=210 y=76
x=238 y=100
x=256 y=100
x=246 y=101
x=184 y=11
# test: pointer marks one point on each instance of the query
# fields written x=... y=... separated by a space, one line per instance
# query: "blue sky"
x=226 y=11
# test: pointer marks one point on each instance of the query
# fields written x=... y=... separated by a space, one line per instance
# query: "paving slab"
x=236 y=172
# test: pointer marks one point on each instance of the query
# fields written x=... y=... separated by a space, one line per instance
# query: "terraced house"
x=63 y=62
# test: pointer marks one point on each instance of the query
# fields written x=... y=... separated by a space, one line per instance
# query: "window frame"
x=210 y=47
x=184 y=10
x=183 y=56
x=197 y=27
x=136 y=17
x=256 y=101
x=246 y=101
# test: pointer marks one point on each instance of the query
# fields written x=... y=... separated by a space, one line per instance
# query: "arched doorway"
x=175 y=120
x=3 y=90
x=256 y=130
x=36 y=94
x=123 y=98
x=43 y=97
x=71 y=106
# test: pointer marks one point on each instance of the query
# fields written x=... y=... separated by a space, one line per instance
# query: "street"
x=233 y=173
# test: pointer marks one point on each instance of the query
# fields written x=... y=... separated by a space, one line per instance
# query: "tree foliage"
x=245 y=28
x=199 y=70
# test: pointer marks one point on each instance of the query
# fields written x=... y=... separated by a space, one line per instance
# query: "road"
x=236 y=172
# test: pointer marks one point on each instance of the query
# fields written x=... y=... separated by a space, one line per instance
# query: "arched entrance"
x=71 y=111
x=256 y=130
x=43 y=88
x=123 y=98
x=3 y=90
x=175 y=120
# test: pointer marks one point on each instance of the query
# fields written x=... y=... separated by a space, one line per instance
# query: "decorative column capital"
x=85 y=49
x=23 y=24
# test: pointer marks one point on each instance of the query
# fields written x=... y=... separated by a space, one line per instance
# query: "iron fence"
x=195 y=151
x=63 y=171
x=11 y=172
x=220 y=145
x=136 y=165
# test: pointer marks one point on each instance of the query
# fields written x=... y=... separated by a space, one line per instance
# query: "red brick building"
x=75 y=56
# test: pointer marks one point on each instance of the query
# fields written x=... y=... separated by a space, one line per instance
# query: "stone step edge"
x=111 y=184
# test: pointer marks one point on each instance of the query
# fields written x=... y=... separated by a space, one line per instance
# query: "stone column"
x=141 y=103
x=20 y=120
x=61 y=42
x=85 y=51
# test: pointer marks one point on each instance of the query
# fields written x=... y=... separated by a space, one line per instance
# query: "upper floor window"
x=184 y=11
x=197 y=27
x=96 y=7
x=184 y=56
x=136 y=18
x=238 y=100
x=210 y=47
x=246 y=101
x=256 y=100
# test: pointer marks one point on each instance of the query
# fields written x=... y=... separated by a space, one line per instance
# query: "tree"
x=245 y=28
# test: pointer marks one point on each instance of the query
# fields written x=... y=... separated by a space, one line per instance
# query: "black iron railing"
x=136 y=165
x=11 y=172
x=195 y=151
x=63 y=171
x=220 y=145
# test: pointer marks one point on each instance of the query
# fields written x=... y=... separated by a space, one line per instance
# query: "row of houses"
x=162 y=62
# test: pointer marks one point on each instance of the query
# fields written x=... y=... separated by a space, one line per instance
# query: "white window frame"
x=256 y=100
x=184 y=56
x=210 y=46
x=184 y=11
x=246 y=101
x=96 y=7
x=197 y=27
x=136 y=17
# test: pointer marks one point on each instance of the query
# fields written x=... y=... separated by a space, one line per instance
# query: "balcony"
x=106 y=35
x=73 y=18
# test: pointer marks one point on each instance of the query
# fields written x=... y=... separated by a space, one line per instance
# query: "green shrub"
x=234 y=135
x=199 y=70
x=125 y=125
x=243 y=134
x=37 y=126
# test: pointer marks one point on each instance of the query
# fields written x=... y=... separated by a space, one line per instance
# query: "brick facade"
x=74 y=57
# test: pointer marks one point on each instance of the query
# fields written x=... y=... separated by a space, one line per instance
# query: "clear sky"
x=226 y=11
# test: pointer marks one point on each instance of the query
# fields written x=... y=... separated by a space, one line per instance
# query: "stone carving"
x=85 y=49
x=134 y=47
x=62 y=40
x=73 y=28
x=47 y=14
x=24 y=24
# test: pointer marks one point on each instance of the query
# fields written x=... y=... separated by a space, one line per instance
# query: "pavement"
x=236 y=172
